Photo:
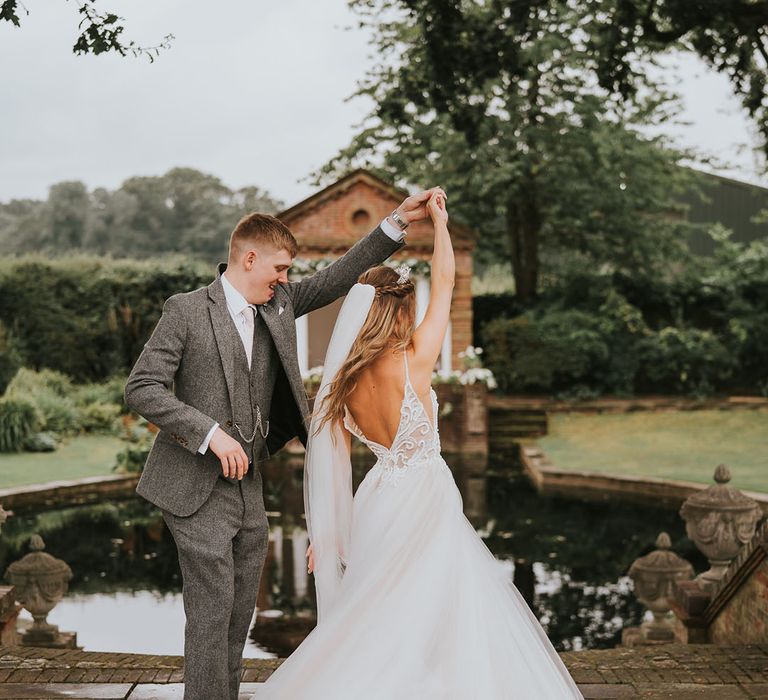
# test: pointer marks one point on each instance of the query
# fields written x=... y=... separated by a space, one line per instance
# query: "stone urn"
x=41 y=582
x=654 y=576
x=720 y=520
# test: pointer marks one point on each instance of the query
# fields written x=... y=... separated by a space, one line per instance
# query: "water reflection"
x=568 y=558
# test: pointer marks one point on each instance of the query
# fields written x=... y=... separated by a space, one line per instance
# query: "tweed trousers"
x=222 y=548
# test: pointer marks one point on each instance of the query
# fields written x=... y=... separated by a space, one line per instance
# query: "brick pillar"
x=9 y=613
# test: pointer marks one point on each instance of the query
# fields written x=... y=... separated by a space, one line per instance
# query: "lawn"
x=685 y=445
x=88 y=455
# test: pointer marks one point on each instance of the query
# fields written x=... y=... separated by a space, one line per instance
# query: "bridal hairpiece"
x=405 y=272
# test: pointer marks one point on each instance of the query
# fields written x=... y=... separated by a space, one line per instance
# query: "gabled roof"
x=461 y=234
x=337 y=188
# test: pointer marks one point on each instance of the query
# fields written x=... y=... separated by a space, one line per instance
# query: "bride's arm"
x=428 y=337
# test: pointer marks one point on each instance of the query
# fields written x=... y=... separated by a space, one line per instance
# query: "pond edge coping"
x=547 y=479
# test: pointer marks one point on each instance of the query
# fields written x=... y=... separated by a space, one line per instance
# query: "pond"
x=569 y=559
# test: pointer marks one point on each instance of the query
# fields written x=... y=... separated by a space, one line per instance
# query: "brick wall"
x=744 y=619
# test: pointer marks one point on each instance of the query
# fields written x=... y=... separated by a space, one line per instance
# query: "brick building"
x=330 y=221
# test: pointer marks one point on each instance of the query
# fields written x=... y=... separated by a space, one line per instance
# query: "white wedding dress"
x=424 y=610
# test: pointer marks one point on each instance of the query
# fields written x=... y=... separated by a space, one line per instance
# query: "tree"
x=66 y=216
x=183 y=211
x=729 y=35
x=100 y=31
x=498 y=102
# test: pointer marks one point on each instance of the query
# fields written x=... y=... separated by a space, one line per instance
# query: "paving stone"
x=756 y=691
x=606 y=691
x=689 y=691
x=47 y=691
x=175 y=691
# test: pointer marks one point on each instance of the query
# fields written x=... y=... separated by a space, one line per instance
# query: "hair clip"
x=404 y=271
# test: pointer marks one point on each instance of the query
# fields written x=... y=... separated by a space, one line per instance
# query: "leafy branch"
x=100 y=31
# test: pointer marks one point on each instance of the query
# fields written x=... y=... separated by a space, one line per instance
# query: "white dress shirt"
x=238 y=305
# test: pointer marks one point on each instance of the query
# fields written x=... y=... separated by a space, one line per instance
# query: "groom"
x=220 y=377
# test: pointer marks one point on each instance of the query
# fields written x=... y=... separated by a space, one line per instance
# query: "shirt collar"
x=235 y=301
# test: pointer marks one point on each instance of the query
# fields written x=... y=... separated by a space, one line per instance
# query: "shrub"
x=134 y=455
x=543 y=354
x=19 y=418
x=487 y=307
x=88 y=316
x=686 y=359
x=51 y=392
x=99 y=416
x=106 y=392
x=28 y=381
x=10 y=358
x=40 y=442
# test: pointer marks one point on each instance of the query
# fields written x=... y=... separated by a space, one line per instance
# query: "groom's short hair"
x=261 y=229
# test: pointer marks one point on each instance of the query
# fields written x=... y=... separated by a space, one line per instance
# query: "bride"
x=411 y=603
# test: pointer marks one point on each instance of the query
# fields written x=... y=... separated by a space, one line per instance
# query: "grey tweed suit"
x=193 y=373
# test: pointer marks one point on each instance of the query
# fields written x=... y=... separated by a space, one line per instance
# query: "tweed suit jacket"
x=183 y=379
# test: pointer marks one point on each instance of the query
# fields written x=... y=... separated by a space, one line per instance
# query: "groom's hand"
x=414 y=208
x=233 y=460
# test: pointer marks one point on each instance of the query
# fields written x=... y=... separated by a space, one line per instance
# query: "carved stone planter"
x=41 y=582
x=720 y=520
x=655 y=576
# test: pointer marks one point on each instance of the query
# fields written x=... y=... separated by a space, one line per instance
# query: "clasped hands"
x=421 y=205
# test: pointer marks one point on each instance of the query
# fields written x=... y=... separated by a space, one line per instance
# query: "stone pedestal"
x=636 y=637
x=689 y=605
x=54 y=639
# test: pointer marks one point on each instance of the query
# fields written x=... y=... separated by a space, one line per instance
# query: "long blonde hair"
x=389 y=325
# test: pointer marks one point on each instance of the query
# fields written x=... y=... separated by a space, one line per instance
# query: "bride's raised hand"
x=311 y=557
x=436 y=208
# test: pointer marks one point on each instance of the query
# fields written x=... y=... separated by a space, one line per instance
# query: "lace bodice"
x=416 y=443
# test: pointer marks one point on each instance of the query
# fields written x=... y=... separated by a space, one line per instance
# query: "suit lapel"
x=222 y=329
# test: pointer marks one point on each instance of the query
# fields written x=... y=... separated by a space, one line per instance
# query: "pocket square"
x=280 y=310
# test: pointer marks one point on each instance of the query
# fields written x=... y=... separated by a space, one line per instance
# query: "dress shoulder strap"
x=407 y=373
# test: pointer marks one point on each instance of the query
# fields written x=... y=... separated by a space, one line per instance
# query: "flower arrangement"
x=470 y=357
x=472 y=375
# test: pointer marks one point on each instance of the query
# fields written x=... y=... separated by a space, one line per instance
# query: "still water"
x=569 y=559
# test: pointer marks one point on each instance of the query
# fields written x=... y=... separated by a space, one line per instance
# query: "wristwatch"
x=402 y=224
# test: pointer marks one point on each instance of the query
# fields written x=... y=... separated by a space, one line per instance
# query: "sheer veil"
x=327 y=464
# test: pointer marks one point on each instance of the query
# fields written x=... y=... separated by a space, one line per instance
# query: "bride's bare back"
x=377 y=398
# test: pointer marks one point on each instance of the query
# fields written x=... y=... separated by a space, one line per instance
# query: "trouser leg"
x=204 y=544
x=249 y=550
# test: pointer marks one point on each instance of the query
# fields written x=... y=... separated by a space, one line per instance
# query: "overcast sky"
x=250 y=91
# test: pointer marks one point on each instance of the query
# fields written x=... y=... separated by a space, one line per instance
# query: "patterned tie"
x=249 y=315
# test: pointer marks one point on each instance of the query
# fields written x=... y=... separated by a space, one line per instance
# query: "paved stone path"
x=673 y=672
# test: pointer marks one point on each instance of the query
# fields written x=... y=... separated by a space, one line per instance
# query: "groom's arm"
x=328 y=284
x=148 y=391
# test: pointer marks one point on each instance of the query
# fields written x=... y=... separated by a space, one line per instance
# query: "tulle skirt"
x=425 y=610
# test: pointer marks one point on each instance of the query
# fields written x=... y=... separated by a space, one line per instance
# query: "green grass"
x=88 y=455
x=685 y=445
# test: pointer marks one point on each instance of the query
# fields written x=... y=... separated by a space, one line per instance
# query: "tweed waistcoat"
x=254 y=387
